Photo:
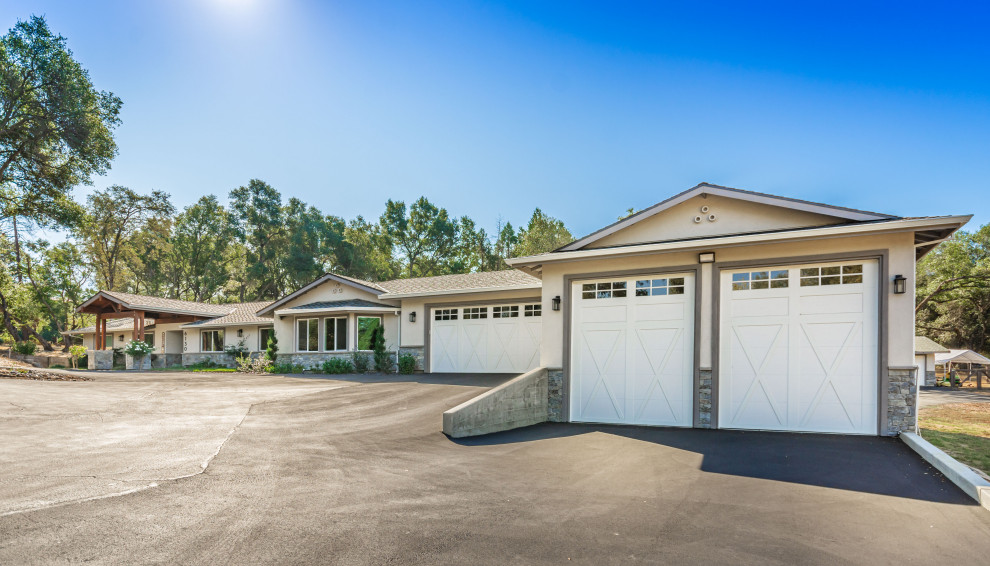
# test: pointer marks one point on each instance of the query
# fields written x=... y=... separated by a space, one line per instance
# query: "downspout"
x=398 y=344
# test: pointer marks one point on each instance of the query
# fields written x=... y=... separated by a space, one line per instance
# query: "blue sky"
x=582 y=109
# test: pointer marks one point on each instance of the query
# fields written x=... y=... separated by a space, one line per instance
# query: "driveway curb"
x=960 y=474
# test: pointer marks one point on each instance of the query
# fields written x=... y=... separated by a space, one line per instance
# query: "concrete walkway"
x=942 y=395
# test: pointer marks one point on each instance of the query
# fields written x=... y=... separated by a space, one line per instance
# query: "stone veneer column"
x=902 y=401
x=100 y=359
x=555 y=395
x=705 y=398
x=930 y=378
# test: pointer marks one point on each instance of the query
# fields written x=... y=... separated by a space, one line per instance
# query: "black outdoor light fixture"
x=240 y=332
x=706 y=257
x=412 y=316
x=555 y=303
x=900 y=284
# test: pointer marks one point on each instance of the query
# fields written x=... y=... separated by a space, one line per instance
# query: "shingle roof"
x=349 y=303
x=244 y=313
x=116 y=325
x=139 y=302
x=371 y=284
x=461 y=282
x=924 y=345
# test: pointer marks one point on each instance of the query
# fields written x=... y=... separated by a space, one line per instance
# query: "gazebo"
x=968 y=357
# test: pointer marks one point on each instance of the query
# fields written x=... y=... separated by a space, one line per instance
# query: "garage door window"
x=603 y=290
x=533 y=310
x=335 y=331
x=832 y=275
x=445 y=314
x=775 y=279
x=308 y=334
x=654 y=287
x=472 y=313
x=505 y=312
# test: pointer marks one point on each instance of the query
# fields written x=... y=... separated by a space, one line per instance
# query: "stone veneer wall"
x=219 y=358
x=314 y=360
x=902 y=399
x=930 y=378
x=555 y=395
x=418 y=352
x=100 y=359
x=705 y=398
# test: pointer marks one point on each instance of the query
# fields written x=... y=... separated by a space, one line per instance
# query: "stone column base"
x=100 y=359
x=142 y=363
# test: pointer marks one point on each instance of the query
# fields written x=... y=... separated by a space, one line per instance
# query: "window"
x=264 y=335
x=149 y=338
x=603 y=290
x=832 y=275
x=308 y=334
x=472 y=313
x=212 y=340
x=335 y=333
x=505 y=312
x=445 y=314
x=654 y=287
x=533 y=310
x=777 y=279
x=365 y=331
x=108 y=341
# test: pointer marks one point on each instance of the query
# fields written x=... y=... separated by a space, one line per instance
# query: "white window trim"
x=347 y=326
x=318 y=335
x=202 y=335
x=261 y=347
x=357 y=327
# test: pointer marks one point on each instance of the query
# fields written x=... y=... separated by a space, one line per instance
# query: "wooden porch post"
x=98 y=339
x=103 y=338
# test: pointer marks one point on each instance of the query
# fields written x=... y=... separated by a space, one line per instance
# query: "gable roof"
x=343 y=304
x=115 y=325
x=158 y=304
x=505 y=280
x=366 y=286
x=244 y=313
x=925 y=345
x=849 y=214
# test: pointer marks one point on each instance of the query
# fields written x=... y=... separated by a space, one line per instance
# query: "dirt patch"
x=38 y=375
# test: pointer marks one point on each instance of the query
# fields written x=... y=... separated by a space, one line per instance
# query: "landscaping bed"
x=962 y=430
x=38 y=375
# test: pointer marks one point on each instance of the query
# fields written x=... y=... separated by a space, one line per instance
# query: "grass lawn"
x=962 y=430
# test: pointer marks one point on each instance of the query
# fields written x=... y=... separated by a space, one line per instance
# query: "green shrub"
x=407 y=364
x=384 y=361
x=57 y=366
x=205 y=364
x=215 y=370
x=247 y=364
x=26 y=347
x=138 y=348
x=286 y=367
x=76 y=354
x=238 y=350
x=338 y=366
x=362 y=362
x=271 y=349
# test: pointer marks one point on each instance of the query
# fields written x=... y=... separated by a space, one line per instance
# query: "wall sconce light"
x=240 y=332
x=120 y=338
x=706 y=257
x=555 y=303
x=412 y=316
x=900 y=284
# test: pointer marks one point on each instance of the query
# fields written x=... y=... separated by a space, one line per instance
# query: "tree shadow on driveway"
x=877 y=465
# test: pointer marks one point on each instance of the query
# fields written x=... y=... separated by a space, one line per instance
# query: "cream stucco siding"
x=900 y=317
x=414 y=333
x=732 y=216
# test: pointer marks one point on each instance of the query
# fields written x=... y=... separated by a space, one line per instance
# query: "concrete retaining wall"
x=520 y=402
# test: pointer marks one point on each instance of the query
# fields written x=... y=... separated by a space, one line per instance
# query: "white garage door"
x=486 y=339
x=798 y=348
x=632 y=350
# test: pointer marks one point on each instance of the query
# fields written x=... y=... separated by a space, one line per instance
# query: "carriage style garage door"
x=486 y=339
x=798 y=348
x=632 y=350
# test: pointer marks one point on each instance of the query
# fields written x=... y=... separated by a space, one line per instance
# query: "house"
x=716 y=308
x=924 y=359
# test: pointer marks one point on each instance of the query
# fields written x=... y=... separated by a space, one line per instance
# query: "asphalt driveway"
x=356 y=471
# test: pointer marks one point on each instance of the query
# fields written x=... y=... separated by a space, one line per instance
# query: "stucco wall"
x=900 y=321
x=414 y=333
x=732 y=216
